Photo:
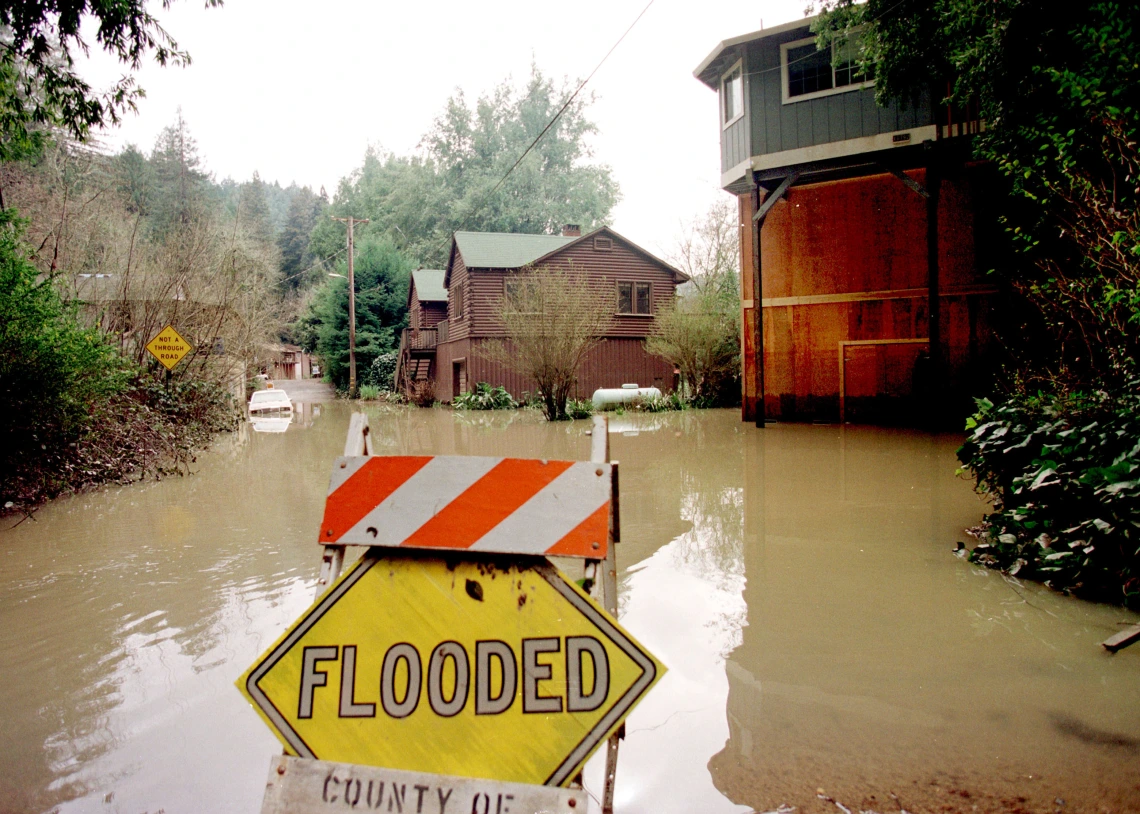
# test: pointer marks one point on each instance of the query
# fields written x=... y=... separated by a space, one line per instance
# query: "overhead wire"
x=880 y=16
x=565 y=105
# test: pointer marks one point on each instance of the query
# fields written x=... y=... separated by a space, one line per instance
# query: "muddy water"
x=797 y=581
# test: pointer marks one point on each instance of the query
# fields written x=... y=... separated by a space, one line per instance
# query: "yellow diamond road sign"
x=487 y=668
x=168 y=347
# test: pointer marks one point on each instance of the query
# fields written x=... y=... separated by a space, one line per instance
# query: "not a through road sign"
x=493 y=667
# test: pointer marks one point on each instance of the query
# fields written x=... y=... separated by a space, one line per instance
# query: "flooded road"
x=821 y=639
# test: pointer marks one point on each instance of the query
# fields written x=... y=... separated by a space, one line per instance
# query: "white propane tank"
x=607 y=398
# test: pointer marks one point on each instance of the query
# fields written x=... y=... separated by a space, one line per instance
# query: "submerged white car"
x=266 y=400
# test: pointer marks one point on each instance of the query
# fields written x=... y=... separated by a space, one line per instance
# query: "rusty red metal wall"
x=844 y=278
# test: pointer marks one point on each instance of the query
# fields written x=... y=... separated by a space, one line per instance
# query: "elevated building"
x=864 y=297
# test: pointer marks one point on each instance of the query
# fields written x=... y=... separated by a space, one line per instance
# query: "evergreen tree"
x=181 y=186
x=305 y=209
x=253 y=211
x=382 y=274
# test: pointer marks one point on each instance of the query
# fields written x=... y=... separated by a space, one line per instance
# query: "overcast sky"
x=298 y=90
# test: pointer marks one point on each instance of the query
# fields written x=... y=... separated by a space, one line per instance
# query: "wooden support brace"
x=776 y=195
x=910 y=182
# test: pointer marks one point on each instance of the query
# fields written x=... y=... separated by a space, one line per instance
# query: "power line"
x=880 y=16
x=320 y=262
x=550 y=123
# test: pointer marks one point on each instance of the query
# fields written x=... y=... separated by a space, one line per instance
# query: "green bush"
x=369 y=392
x=1064 y=476
x=661 y=404
x=51 y=368
x=485 y=397
x=382 y=374
x=579 y=408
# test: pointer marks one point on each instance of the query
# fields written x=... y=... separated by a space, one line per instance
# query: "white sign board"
x=299 y=786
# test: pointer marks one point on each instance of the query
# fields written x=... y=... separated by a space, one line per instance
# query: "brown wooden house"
x=427 y=307
x=860 y=236
x=446 y=355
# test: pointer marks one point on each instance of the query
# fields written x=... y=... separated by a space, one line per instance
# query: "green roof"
x=504 y=250
x=429 y=285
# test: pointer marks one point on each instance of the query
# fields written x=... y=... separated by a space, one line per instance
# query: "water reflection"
x=879 y=667
x=797 y=581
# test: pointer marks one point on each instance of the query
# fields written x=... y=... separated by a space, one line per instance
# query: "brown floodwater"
x=826 y=650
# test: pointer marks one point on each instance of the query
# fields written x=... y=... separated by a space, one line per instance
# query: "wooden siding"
x=604 y=268
x=734 y=143
x=613 y=363
x=459 y=279
x=424 y=314
x=432 y=313
x=845 y=297
x=776 y=127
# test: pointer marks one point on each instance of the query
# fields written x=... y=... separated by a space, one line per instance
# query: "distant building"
x=860 y=235
x=443 y=352
x=288 y=362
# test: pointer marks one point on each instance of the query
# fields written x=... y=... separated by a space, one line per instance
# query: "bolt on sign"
x=485 y=666
x=168 y=347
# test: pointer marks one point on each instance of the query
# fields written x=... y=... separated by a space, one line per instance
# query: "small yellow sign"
x=477 y=668
x=168 y=347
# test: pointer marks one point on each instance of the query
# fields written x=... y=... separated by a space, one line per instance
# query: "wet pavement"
x=826 y=651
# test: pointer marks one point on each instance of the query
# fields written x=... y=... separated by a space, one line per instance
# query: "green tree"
x=382 y=274
x=552 y=318
x=418 y=202
x=40 y=85
x=700 y=331
x=253 y=211
x=182 y=188
x=1058 y=86
x=305 y=209
x=134 y=179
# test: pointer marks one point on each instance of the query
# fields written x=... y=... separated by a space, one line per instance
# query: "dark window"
x=847 y=59
x=809 y=70
x=633 y=298
x=641 y=290
x=625 y=298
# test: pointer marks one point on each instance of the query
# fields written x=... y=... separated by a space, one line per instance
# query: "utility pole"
x=351 y=309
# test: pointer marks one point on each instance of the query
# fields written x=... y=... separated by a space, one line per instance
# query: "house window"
x=524 y=294
x=457 y=303
x=732 y=95
x=633 y=298
x=809 y=73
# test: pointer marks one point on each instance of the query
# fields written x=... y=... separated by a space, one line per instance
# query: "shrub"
x=369 y=392
x=382 y=374
x=1064 y=475
x=661 y=404
x=485 y=397
x=423 y=394
x=51 y=368
x=579 y=408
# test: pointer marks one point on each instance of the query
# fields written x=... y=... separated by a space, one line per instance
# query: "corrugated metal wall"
x=845 y=284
